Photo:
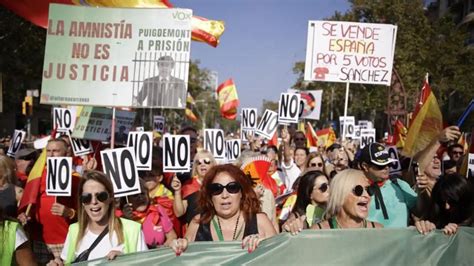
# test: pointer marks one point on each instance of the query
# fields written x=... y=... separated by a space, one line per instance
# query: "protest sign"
x=159 y=123
x=176 y=153
x=367 y=136
x=141 y=129
x=119 y=165
x=58 y=176
x=289 y=108
x=117 y=56
x=310 y=102
x=245 y=134
x=95 y=123
x=15 y=143
x=80 y=146
x=268 y=124
x=142 y=143
x=365 y=124
x=214 y=142
x=350 y=52
x=356 y=132
x=349 y=121
x=395 y=166
x=232 y=149
x=64 y=119
x=249 y=118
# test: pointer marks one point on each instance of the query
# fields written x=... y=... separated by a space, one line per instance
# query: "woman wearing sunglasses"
x=315 y=162
x=98 y=232
x=348 y=205
x=230 y=210
x=312 y=196
x=185 y=195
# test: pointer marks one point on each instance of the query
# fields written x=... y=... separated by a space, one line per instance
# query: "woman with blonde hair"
x=8 y=191
x=98 y=232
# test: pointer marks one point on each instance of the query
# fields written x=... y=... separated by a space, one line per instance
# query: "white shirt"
x=20 y=237
x=291 y=172
x=103 y=248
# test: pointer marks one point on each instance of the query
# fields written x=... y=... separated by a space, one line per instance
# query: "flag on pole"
x=426 y=124
x=326 y=136
x=228 y=99
x=36 y=11
x=190 y=104
x=311 y=136
x=399 y=134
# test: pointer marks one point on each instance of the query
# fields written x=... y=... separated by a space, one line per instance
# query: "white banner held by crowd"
x=142 y=143
x=125 y=57
x=176 y=153
x=350 y=52
x=58 y=176
x=120 y=166
x=15 y=142
x=289 y=108
x=214 y=142
x=268 y=124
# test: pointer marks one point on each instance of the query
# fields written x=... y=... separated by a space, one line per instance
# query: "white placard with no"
x=232 y=150
x=176 y=153
x=289 y=108
x=367 y=136
x=215 y=143
x=80 y=146
x=249 y=118
x=159 y=123
x=142 y=143
x=349 y=121
x=268 y=124
x=15 y=143
x=64 y=119
x=395 y=167
x=58 y=176
x=119 y=165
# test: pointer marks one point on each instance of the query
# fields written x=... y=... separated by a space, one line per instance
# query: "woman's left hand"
x=251 y=242
x=113 y=254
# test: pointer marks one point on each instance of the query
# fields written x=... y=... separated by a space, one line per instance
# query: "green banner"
x=325 y=247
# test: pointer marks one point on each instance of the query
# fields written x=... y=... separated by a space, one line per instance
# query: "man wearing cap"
x=392 y=199
x=163 y=90
x=24 y=160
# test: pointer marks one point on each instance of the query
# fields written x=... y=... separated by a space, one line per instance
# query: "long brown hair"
x=249 y=204
x=83 y=219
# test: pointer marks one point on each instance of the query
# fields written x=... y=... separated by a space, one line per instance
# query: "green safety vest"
x=8 y=237
x=131 y=232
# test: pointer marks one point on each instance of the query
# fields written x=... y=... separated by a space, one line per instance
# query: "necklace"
x=219 y=231
x=364 y=223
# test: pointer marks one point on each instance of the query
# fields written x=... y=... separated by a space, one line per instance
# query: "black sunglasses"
x=86 y=198
x=316 y=164
x=217 y=189
x=324 y=187
x=203 y=161
x=359 y=190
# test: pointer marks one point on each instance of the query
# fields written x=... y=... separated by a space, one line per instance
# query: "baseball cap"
x=375 y=153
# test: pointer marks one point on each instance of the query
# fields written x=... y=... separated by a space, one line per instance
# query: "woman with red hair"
x=229 y=210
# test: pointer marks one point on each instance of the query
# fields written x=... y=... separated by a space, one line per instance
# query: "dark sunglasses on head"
x=203 y=161
x=217 y=189
x=359 y=190
x=86 y=198
x=316 y=164
x=324 y=187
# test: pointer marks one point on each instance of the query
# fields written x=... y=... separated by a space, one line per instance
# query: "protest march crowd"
x=272 y=188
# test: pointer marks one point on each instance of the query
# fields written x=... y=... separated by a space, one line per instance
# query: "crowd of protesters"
x=302 y=188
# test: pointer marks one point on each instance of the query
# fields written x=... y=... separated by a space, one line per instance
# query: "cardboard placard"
x=365 y=124
x=215 y=143
x=356 y=132
x=176 y=153
x=232 y=150
x=289 y=108
x=120 y=166
x=58 y=176
x=64 y=119
x=341 y=51
x=142 y=143
x=367 y=136
x=80 y=146
x=349 y=121
x=244 y=133
x=15 y=143
x=268 y=124
x=395 y=167
x=159 y=124
x=249 y=118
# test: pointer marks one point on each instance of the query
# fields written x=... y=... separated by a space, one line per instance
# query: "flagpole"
x=346 y=102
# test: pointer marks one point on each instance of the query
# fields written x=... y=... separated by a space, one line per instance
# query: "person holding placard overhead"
x=98 y=232
x=51 y=215
x=230 y=210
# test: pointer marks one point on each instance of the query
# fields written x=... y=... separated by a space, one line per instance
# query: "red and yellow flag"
x=311 y=136
x=36 y=11
x=189 y=108
x=326 y=136
x=228 y=99
x=32 y=187
x=426 y=124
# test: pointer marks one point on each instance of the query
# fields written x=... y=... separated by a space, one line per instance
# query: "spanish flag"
x=228 y=99
x=36 y=11
x=426 y=124
x=32 y=187
x=400 y=134
x=189 y=108
x=326 y=136
x=311 y=136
